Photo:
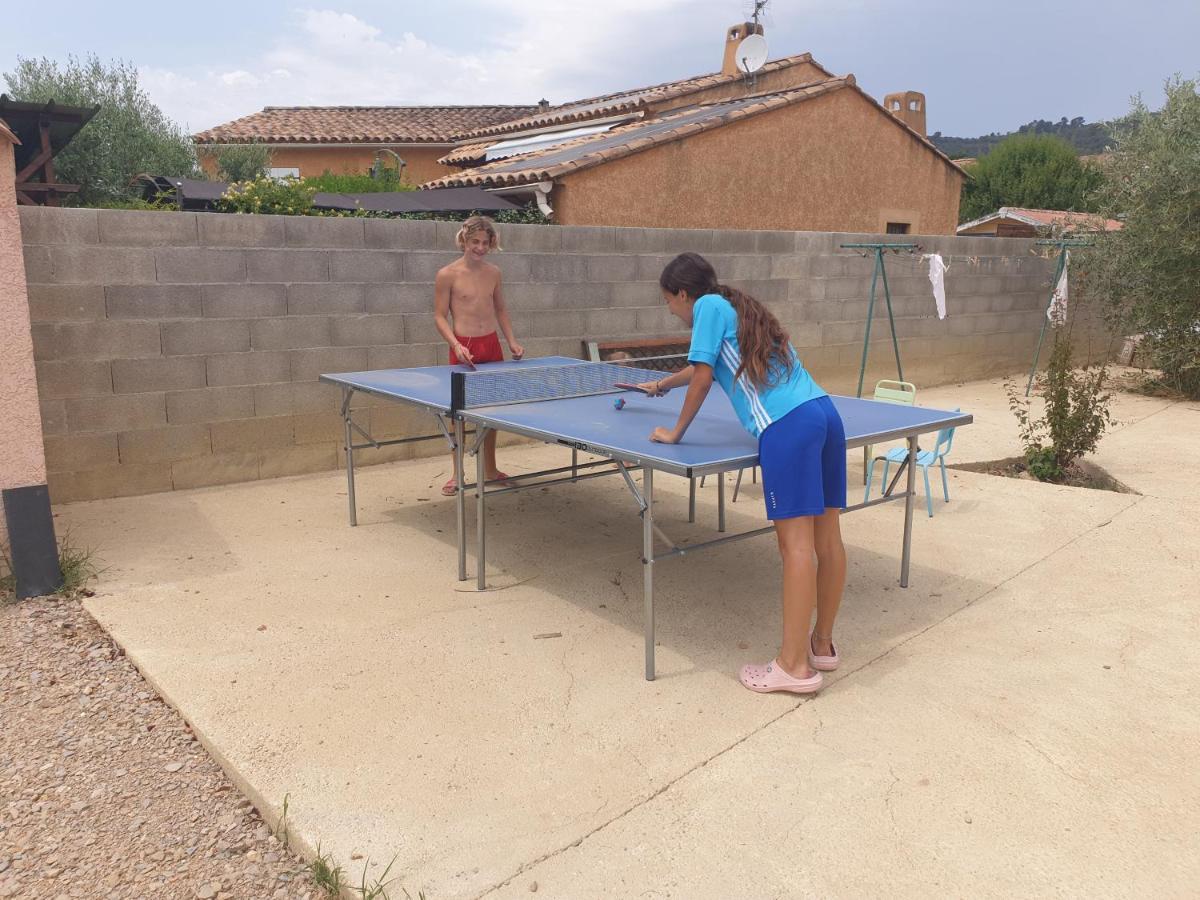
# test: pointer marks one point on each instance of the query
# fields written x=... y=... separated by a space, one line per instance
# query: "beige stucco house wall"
x=832 y=163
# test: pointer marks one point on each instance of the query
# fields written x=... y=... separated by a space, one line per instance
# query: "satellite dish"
x=751 y=53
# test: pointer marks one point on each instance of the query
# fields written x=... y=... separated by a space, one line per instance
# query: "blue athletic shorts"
x=803 y=459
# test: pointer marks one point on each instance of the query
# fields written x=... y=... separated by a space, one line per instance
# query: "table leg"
x=908 y=510
x=648 y=567
x=460 y=498
x=692 y=498
x=737 y=485
x=720 y=501
x=346 y=395
x=480 y=527
x=574 y=464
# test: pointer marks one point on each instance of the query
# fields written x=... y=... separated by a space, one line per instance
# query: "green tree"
x=1037 y=171
x=1148 y=273
x=128 y=136
x=242 y=162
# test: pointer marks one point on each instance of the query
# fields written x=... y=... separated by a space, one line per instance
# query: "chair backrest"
x=945 y=440
x=901 y=392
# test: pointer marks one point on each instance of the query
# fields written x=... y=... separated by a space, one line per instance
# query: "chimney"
x=909 y=108
x=734 y=36
x=543 y=104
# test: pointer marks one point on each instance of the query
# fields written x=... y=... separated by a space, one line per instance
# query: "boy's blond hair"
x=474 y=224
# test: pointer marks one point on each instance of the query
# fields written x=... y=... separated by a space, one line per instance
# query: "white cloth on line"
x=1056 y=312
x=937 y=277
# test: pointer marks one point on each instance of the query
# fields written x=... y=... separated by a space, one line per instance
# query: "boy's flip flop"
x=450 y=488
x=771 y=677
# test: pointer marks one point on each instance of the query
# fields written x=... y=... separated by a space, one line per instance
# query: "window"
x=284 y=172
x=914 y=105
x=897 y=228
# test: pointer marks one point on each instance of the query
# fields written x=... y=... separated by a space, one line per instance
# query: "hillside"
x=1086 y=137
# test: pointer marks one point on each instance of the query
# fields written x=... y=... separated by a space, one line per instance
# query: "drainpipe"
x=539 y=191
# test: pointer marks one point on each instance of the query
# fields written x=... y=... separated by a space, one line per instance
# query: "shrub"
x=1075 y=417
x=1149 y=271
x=268 y=196
x=1038 y=171
x=327 y=182
x=242 y=162
x=128 y=136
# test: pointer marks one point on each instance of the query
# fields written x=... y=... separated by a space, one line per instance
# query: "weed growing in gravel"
x=327 y=876
x=78 y=566
x=377 y=890
x=8 y=581
x=281 y=832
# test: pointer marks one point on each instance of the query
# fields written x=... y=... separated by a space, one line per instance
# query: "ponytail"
x=763 y=342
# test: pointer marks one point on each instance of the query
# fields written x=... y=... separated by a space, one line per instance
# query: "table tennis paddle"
x=628 y=386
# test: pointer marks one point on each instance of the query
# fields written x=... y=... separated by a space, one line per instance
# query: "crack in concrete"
x=525 y=867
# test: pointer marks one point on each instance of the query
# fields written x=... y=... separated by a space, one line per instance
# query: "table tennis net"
x=534 y=383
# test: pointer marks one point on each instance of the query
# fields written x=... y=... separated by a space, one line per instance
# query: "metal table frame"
x=612 y=461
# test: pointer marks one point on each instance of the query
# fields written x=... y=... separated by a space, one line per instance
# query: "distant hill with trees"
x=1086 y=137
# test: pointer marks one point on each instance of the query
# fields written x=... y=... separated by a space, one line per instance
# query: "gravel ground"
x=104 y=791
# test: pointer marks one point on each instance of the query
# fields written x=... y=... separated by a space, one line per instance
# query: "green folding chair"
x=887 y=391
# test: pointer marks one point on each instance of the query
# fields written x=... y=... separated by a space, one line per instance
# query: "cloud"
x=527 y=51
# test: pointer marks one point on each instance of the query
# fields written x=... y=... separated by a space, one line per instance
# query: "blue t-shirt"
x=715 y=343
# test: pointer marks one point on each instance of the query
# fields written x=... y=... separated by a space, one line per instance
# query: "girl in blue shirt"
x=802 y=451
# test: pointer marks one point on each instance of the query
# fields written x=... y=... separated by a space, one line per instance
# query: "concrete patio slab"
x=402 y=718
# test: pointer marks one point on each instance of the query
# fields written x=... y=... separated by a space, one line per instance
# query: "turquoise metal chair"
x=925 y=459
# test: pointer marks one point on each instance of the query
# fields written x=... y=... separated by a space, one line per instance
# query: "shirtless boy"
x=469 y=291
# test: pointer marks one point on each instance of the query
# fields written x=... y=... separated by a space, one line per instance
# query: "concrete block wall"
x=178 y=350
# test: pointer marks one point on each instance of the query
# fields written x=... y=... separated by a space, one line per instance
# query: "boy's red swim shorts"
x=483 y=349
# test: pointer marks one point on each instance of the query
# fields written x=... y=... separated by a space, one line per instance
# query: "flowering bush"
x=269 y=196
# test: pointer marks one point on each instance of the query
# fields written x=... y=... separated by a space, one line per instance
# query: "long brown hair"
x=763 y=342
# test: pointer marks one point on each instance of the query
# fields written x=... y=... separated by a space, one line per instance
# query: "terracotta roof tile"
x=625 y=140
x=358 y=124
x=622 y=101
x=1050 y=218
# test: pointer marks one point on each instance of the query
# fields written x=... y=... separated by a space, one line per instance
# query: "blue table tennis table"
x=570 y=402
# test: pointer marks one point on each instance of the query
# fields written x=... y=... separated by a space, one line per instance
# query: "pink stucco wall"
x=22 y=458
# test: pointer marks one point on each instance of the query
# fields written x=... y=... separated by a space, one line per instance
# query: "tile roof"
x=626 y=101
x=359 y=124
x=624 y=140
x=1049 y=218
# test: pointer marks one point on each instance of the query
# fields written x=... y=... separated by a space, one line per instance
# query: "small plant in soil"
x=77 y=564
x=327 y=876
x=1075 y=417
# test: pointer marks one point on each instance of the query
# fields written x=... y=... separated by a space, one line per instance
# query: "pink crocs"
x=771 y=677
x=823 y=663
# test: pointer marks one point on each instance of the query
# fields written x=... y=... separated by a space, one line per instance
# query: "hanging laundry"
x=937 y=277
x=1056 y=312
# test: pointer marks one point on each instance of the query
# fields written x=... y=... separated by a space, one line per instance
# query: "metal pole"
x=460 y=498
x=480 y=527
x=346 y=395
x=862 y=369
x=692 y=498
x=908 y=510
x=720 y=501
x=1062 y=255
x=737 y=485
x=574 y=463
x=648 y=567
x=887 y=293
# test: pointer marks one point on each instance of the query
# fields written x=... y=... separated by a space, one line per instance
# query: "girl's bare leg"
x=831 y=577
x=795 y=538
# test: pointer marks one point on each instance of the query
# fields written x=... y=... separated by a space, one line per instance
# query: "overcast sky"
x=984 y=66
